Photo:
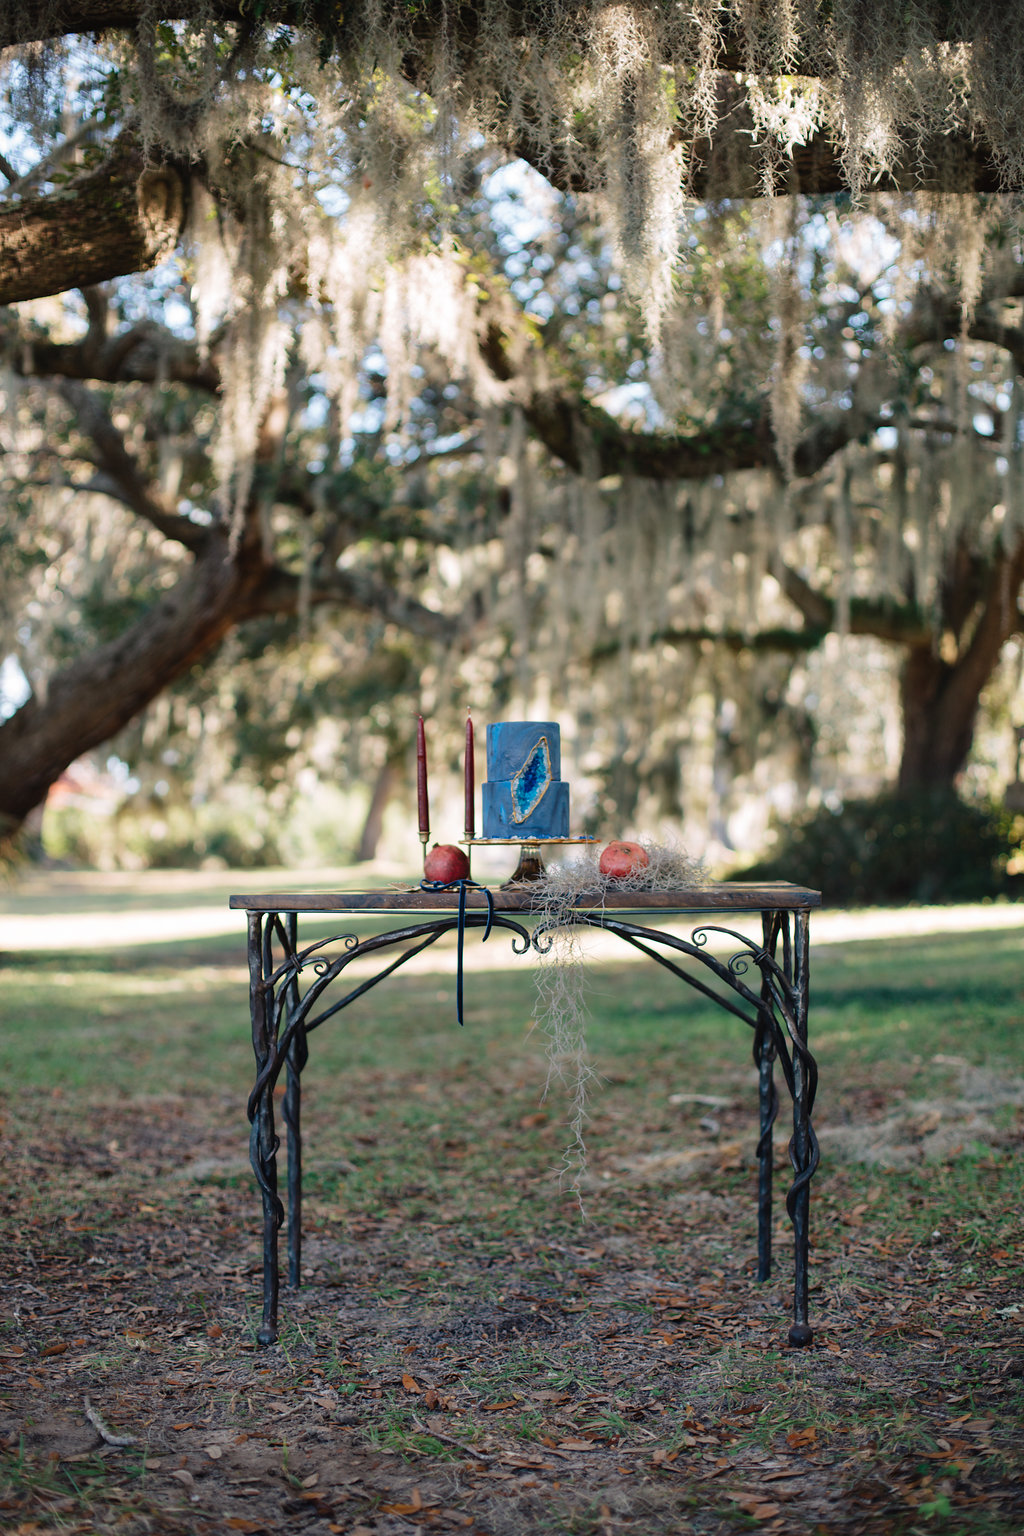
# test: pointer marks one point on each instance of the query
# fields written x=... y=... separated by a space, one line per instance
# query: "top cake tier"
x=510 y=745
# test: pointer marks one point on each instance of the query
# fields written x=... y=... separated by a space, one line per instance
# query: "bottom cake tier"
x=550 y=818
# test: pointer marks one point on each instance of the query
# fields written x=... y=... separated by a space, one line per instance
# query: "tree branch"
x=144 y=355
x=60 y=154
x=796 y=642
x=133 y=488
x=36 y=21
x=91 y=699
x=122 y=217
x=999 y=618
x=281 y=594
x=731 y=164
x=588 y=439
x=899 y=623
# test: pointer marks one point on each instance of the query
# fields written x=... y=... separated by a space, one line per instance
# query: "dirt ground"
x=448 y=1375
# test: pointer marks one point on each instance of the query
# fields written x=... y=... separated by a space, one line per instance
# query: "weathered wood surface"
x=723 y=896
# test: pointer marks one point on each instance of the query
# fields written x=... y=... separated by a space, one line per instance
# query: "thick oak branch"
x=731 y=164
x=122 y=217
x=96 y=696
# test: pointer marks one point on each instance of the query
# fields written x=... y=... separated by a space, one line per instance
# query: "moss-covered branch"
x=124 y=216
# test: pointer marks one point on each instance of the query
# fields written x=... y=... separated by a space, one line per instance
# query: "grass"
x=619 y=1371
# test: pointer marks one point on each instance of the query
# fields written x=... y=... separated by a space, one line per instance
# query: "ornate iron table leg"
x=777 y=1015
x=768 y=1100
x=263 y=1142
x=291 y=1113
x=803 y=1147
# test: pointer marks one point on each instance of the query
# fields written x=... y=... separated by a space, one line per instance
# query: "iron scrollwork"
x=283 y=1016
x=764 y=985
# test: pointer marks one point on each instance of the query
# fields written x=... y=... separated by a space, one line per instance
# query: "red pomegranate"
x=445 y=863
x=619 y=860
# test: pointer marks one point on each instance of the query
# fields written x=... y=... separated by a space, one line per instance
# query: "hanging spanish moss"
x=337 y=151
x=561 y=1012
x=330 y=168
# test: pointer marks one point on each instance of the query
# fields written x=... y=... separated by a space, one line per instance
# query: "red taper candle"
x=422 y=805
x=470 y=780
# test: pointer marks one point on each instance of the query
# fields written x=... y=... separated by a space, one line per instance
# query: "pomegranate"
x=445 y=863
x=621 y=859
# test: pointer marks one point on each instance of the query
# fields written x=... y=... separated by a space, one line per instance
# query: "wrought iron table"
x=765 y=985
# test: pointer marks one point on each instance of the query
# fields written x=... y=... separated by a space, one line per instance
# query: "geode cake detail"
x=523 y=795
x=532 y=781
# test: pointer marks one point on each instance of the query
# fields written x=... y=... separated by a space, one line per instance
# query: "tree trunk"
x=940 y=698
x=92 y=699
x=374 y=823
x=938 y=722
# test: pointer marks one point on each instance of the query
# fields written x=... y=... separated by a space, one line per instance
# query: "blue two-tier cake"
x=523 y=794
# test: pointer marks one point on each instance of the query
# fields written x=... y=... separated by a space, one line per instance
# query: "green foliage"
x=922 y=847
x=241 y=828
x=175 y=837
x=353 y=510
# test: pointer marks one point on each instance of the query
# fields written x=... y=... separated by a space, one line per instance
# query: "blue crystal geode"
x=523 y=794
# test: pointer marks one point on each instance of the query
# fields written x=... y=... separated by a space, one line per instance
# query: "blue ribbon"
x=462 y=886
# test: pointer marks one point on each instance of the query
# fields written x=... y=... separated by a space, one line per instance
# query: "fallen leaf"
x=408 y=1509
x=577 y=1445
x=754 y=1505
x=410 y=1384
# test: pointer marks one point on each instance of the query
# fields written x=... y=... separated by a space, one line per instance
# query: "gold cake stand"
x=531 y=859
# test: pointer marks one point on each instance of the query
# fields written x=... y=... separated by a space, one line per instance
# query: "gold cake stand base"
x=531 y=858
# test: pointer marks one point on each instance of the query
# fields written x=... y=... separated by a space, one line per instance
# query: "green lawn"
x=615 y=1369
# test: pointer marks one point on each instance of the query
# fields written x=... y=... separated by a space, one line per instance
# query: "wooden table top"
x=717 y=896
